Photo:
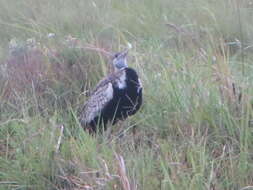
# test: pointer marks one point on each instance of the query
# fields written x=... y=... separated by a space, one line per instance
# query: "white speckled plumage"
x=101 y=95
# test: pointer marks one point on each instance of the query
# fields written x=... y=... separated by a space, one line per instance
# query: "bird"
x=114 y=98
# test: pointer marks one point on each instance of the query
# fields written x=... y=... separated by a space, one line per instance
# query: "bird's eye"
x=116 y=55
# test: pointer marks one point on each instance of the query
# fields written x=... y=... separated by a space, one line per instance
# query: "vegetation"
x=195 y=129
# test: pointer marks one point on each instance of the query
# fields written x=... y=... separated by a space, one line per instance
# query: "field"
x=195 y=128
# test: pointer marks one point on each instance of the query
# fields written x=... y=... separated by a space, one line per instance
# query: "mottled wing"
x=102 y=94
x=112 y=78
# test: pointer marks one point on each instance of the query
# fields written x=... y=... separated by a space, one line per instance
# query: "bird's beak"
x=121 y=55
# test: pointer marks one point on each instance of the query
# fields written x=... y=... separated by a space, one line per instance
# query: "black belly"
x=125 y=102
x=128 y=104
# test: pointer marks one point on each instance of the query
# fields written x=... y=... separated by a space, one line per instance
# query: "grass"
x=194 y=130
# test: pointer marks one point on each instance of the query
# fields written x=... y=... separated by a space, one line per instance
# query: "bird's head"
x=119 y=60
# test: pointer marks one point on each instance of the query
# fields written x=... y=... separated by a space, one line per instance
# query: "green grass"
x=192 y=131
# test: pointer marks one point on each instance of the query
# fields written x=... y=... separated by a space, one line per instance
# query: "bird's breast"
x=121 y=81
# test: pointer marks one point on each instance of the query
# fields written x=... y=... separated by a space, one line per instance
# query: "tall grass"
x=194 y=130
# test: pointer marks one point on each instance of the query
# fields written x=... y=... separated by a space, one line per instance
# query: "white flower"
x=30 y=42
x=13 y=44
x=94 y=4
x=51 y=35
x=129 y=45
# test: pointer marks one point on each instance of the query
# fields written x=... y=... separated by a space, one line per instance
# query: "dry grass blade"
x=106 y=170
x=223 y=76
x=98 y=49
x=77 y=182
x=177 y=28
x=59 y=139
x=247 y=187
x=122 y=172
